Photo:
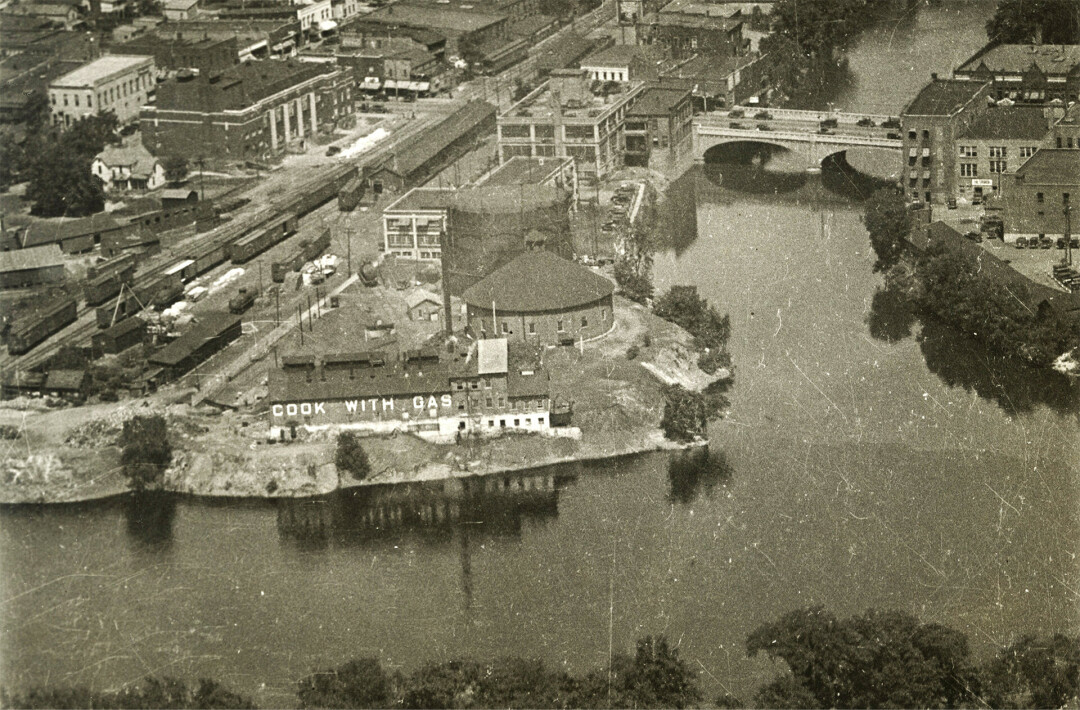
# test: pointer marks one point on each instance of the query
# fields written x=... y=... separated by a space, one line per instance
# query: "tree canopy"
x=1024 y=21
x=888 y=222
x=145 y=451
x=57 y=165
x=817 y=27
x=350 y=455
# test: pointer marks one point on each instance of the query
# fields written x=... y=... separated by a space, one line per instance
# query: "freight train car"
x=107 y=285
x=123 y=262
x=293 y=262
x=350 y=195
x=208 y=255
x=30 y=330
x=158 y=293
x=316 y=192
x=262 y=238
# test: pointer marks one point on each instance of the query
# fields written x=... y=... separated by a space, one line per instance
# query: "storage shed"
x=30 y=267
x=213 y=332
x=118 y=338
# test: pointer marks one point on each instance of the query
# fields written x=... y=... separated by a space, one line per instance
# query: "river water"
x=860 y=467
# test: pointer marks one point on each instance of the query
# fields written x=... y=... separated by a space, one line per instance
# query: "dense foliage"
x=633 y=265
x=888 y=222
x=1024 y=21
x=350 y=456
x=145 y=451
x=176 y=168
x=686 y=414
x=817 y=27
x=683 y=306
x=879 y=659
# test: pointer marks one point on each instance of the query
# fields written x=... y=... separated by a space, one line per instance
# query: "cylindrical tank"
x=490 y=225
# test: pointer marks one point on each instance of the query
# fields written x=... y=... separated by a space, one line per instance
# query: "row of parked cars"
x=1045 y=242
x=825 y=126
x=620 y=206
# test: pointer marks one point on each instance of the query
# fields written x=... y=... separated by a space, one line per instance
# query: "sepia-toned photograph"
x=539 y=354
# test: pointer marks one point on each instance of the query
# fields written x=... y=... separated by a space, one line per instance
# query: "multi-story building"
x=626 y=62
x=128 y=168
x=458 y=26
x=120 y=84
x=556 y=172
x=564 y=118
x=1000 y=139
x=719 y=81
x=1035 y=199
x=658 y=125
x=1032 y=73
x=688 y=28
x=488 y=389
x=255 y=38
x=414 y=223
x=930 y=125
x=205 y=54
x=1065 y=132
x=249 y=111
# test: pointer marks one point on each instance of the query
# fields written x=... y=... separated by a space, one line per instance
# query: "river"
x=860 y=467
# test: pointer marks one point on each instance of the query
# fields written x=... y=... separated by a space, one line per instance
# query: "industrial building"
x=1028 y=73
x=1002 y=138
x=74 y=236
x=659 y=125
x=120 y=84
x=213 y=332
x=519 y=170
x=541 y=299
x=31 y=267
x=1036 y=200
x=569 y=117
x=481 y=391
x=413 y=223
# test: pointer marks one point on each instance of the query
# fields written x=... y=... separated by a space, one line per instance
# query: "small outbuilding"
x=423 y=305
x=30 y=267
x=542 y=299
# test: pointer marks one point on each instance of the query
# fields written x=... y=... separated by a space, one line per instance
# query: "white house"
x=180 y=9
x=128 y=168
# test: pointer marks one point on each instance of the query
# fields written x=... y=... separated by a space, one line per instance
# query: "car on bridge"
x=865 y=122
x=828 y=123
x=891 y=123
x=736 y=113
x=763 y=115
x=764 y=127
x=735 y=125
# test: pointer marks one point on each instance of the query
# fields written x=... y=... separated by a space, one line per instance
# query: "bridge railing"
x=703 y=129
x=787 y=114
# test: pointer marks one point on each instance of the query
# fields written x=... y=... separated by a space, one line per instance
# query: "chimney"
x=448 y=318
x=933 y=76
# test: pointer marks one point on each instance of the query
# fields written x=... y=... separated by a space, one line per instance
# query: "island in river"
x=68 y=454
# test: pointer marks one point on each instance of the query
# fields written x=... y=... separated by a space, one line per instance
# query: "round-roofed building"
x=540 y=298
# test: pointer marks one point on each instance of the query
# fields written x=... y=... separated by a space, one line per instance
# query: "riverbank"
x=70 y=454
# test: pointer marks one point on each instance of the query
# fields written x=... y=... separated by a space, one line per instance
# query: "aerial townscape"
x=540 y=353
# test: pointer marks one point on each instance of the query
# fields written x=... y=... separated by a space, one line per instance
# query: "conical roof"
x=538 y=281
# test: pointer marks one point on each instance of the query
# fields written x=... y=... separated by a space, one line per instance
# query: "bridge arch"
x=718 y=146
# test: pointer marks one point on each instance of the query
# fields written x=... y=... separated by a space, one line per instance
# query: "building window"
x=584 y=322
x=968 y=151
x=969 y=170
x=926 y=135
x=1027 y=151
x=1039 y=197
x=997 y=151
x=532 y=327
x=1059 y=141
x=911 y=135
x=1064 y=198
x=559 y=326
x=603 y=314
x=487 y=402
x=505 y=327
x=999 y=166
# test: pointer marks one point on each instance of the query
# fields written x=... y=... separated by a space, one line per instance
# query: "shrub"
x=350 y=456
x=685 y=414
x=631 y=352
x=145 y=450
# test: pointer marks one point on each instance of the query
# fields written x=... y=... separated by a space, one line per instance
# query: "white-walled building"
x=120 y=84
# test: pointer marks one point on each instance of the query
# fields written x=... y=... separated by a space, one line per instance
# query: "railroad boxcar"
x=293 y=262
x=118 y=309
x=350 y=195
x=314 y=249
x=207 y=256
x=124 y=262
x=107 y=285
x=262 y=238
x=161 y=291
x=30 y=330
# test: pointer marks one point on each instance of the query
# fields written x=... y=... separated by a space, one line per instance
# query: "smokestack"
x=448 y=318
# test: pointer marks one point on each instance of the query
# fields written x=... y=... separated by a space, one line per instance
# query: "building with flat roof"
x=930 y=126
x=688 y=29
x=1030 y=73
x=24 y=75
x=719 y=81
x=414 y=223
x=206 y=54
x=519 y=170
x=1035 y=197
x=30 y=267
x=255 y=38
x=455 y=24
x=489 y=388
x=999 y=138
x=567 y=117
x=626 y=62
x=250 y=111
x=541 y=299
x=120 y=84
x=658 y=125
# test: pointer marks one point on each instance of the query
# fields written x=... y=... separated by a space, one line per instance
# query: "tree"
x=145 y=451
x=683 y=306
x=58 y=168
x=785 y=63
x=686 y=414
x=149 y=693
x=818 y=27
x=880 y=659
x=176 y=168
x=1034 y=673
x=633 y=284
x=350 y=456
x=361 y=683
x=1027 y=21
x=888 y=222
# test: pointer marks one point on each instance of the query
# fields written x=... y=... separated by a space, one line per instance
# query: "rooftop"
x=656 y=101
x=702 y=67
x=423 y=198
x=623 y=55
x=209 y=327
x=395 y=379
x=696 y=20
x=590 y=100
x=33 y=258
x=65 y=379
x=538 y=281
x=180 y=4
x=435 y=139
x=437 y=17
x=942 y=97
x=238 y=86
x=1050 y=58
x=134 y=156
x=1052 y=167
x=1009 y=123
x=50 y=231
x=420 y=295
x=520 y=170
x=491 y=356
x=101 y=69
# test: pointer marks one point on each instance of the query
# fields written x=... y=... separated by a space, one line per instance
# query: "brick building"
x=208 y=55
x=490 y=388
x=458 y=26
x=1000 y=138
x=719 y=81
x=930 y=126
x=1031 y=73
x=540 y=299
x=626 y=62
x=255 y=38
x=1034 y=199
x=658 y=125
x=686 y=29
x=1065 y=132
x=566 y=118
x=120 y=84
x=249 y=111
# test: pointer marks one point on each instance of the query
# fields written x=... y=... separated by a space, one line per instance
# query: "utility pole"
x=1068 y=235
x=300 y=317
x=277 y=306
x=348 y=259
x=202 y=183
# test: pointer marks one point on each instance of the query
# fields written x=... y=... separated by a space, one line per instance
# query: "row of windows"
x=997 y=151
x=1041 y=198
x=972 y=169
x=114 y=93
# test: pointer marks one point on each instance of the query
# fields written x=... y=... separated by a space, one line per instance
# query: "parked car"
x=1021 y=243
x=1046 y=243
x=828 y=123
x=333 y=150
x=865 y=122
x=826 y=131
x=763 y=115
x=736 y=113
x=764 y=127
x=893 y=136
x=735 y=125
x=891 y=123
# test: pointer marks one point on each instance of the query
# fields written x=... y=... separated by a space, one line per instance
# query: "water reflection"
x=822 y=86
x=694 y=473
x=492 y=506
x=149 y=517
x=962 y=362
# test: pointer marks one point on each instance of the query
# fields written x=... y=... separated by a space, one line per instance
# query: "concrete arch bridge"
x=800 y=132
